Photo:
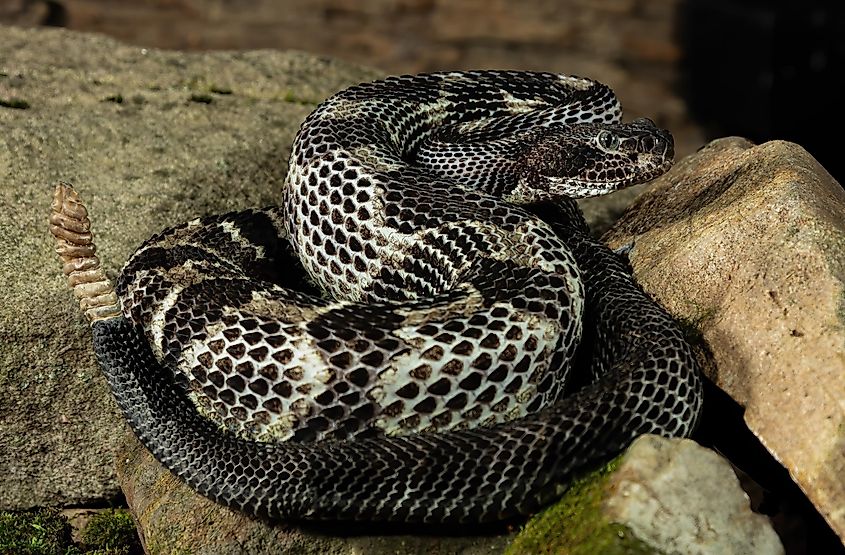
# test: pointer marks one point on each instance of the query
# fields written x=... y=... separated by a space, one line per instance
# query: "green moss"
x=15 y=103
x=111 y=532
x=47 y=532
x=576 y=525
x=156 y=545
x=38 y=532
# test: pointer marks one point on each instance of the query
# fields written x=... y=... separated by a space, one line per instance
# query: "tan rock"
x=661 y=496
x=632 y=45
x=747 y=244
x=150 y=138
x=682 y=498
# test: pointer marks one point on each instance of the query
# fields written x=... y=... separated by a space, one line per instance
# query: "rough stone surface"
x=660 y=496
x=747 y=245
x=150 y=139
x=679 y=497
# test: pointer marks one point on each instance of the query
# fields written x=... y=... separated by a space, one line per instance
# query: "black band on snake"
x=393 y=342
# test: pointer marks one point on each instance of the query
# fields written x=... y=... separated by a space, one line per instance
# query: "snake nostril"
x=647 y=143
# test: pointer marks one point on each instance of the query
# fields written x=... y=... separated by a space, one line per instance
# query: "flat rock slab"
x=747 y=245
x=150 y=139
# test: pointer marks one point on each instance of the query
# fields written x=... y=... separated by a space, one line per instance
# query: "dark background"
x=767 y=70
x=701 y=68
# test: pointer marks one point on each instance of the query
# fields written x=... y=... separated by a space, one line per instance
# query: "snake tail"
x=71 y=229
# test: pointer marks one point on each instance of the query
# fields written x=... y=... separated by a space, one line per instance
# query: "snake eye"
x=608 y=140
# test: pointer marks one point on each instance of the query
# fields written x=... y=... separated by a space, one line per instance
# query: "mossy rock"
x=48 y=532
x=111 y=532
x=37 y=532
x=576 y=524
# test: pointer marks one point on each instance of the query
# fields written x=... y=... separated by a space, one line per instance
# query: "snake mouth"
x=662 y=165
x=651 y=167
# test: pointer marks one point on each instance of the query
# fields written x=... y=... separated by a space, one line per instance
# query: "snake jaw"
x=552 y=188
x=590 y=159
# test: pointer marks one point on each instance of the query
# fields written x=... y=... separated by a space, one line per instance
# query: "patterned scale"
x=393 y=341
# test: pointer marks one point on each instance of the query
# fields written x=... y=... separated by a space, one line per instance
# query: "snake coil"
x=395 y=340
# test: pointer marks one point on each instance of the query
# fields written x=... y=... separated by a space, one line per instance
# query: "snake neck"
x=548 y=163
x=488 y=165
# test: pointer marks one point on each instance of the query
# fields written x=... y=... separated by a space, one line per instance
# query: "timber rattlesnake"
x=422 y=374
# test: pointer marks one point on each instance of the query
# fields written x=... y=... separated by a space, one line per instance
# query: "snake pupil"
x=608 y=140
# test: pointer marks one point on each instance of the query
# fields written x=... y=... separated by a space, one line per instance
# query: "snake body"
x=420 y=371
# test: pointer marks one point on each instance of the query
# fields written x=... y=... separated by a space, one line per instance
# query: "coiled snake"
x=420 y=372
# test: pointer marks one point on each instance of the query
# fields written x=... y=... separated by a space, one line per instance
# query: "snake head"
x=591 y=159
